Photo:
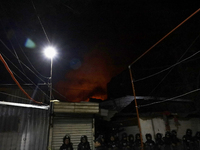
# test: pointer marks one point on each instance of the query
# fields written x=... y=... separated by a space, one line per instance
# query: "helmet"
x=83 y=137
x=167 y=134
x=124 y=136
x=189 y=132
x=148 y=136
x=137 y=136
x=131 y=137
x=174 y=133
x=66 y=137
x=158 y=136
x=197 y=134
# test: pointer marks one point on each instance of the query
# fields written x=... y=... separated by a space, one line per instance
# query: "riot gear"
x=159 y=141
x=149 y=144
x=67 y=145
x=84 y=144
x=188 y=140
x=131 y=142
x=113 y=144
x=124 y=142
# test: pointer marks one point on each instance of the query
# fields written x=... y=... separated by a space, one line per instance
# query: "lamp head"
x=50 y=52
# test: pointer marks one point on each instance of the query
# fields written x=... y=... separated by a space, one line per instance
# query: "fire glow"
x=90 y=80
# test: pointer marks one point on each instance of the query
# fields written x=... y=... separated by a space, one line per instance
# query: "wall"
x=23 y=128
x=157 y=125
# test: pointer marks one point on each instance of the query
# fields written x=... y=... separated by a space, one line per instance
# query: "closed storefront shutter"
x=73 y=125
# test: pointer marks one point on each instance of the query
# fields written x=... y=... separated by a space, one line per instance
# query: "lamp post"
x=50 y=52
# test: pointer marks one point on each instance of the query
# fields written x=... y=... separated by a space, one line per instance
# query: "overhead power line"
x=22 y=62
x=10 y=72
x=193 y=91
x=173 y=67
x=165 y=36
x=168 y=67
x=40 y=22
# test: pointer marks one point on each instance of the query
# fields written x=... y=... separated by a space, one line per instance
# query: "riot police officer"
x=197 y=140
x=131 y=142
x=112 y=143
x=176 y=142
x=124 y=142
x=149 y=144
x=67 y=145
x=167 y=141
x=159 y=141
x=188 y=140
x=84 y=144
x=137 y=142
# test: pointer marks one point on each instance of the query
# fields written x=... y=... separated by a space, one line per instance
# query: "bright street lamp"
x=50 y=52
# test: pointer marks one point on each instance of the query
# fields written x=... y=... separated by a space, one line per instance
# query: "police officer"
x=167 y=141
x=149 y=144
x=131 y=142
x=98 y=144
x=137 y=142
x=84 y=144
x=188 y=140
x=67 y=145
x=159 y=142
x=112 y=143
x=124 y=142
x=104 y=143
x=176 y=142
x=197 y=140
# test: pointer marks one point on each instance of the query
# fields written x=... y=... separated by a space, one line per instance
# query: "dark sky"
x=96 y=40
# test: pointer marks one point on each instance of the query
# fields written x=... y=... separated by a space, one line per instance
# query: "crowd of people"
x=169 y=141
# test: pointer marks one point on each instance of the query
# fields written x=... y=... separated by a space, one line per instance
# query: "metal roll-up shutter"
x=75 y=126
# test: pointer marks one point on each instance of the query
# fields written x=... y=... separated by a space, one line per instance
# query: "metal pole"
x=51 y=80
x=51 y=109
x=136 y=107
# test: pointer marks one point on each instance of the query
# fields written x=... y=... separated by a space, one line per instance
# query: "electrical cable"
x=17 y=97
x=164 y=37
x=21 y=62
x=30 y=61
x=29 y=70
x=44 y=33
x=25 y=76
x=173 y=67
x=22 y=51
x=167 y=68
x=196 y=90
x=10 y=72
x=130 y=71
x=40 y=22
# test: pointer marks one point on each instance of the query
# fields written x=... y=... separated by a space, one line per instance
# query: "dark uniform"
x=124 y=142
x=176 y=142
x=67 y=145
x=103 y=144
x=188 y=140
x=137 y=145
x=98 y=144
x=84 y=144
x=112 y=143
x=197 y=140
x=149 y=144
x=131 y=142
x=159 y=142
x=167 y=141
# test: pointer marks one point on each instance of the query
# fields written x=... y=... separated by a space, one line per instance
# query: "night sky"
x=96 y=40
